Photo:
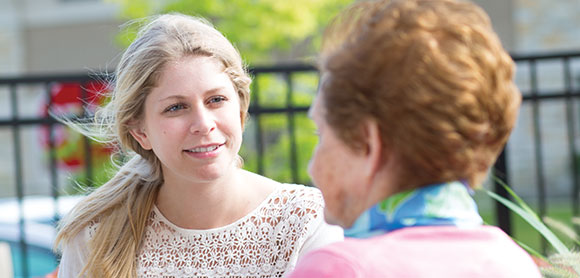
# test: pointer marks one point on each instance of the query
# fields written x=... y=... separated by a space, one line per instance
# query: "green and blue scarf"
x=446 y=204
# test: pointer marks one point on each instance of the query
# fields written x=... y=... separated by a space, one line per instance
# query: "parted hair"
x=434 y=76
x=121 y=206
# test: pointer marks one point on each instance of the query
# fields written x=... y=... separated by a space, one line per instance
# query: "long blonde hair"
x=121 y=206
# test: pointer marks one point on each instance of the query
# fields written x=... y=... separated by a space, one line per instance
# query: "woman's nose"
x=202 y=123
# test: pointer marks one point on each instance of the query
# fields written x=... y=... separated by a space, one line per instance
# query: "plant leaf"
x=576 y=220
x=534 y=221
x=530 y=250
x=562 y=228
x=517 y=198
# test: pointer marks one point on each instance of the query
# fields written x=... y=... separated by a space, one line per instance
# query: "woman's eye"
x=216 y=99
x=175 y=107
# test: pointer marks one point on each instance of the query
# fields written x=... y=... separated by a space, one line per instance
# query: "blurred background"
x=55 y=56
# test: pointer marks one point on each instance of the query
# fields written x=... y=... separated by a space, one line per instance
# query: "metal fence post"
x=503 y=215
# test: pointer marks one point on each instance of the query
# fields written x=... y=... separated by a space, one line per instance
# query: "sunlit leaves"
x=265 y=31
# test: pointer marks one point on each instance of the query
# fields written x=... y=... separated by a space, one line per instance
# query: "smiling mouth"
x=204 y=149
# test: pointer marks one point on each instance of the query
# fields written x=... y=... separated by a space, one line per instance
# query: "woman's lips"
x=206 y=151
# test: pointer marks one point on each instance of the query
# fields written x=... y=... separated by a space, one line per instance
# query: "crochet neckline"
x=222 y=228
x=267 y=242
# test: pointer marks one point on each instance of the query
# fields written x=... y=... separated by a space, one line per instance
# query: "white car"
x=38 y=231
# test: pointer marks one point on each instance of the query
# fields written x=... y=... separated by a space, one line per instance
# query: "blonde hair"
x=122 y=205
x=433 y=75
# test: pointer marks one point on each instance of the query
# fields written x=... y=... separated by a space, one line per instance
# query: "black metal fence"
x=566 y=79
x=282 y=93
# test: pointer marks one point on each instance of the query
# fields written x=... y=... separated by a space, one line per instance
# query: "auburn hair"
x=434 y=76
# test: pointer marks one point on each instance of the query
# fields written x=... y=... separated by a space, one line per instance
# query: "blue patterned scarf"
x=434 y=205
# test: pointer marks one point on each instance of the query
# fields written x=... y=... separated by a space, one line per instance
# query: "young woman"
x=418 y=96
x=182 y=206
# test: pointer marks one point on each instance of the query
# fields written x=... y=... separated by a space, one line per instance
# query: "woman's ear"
x=373 y=149
x=140 y=135
x=381 y=166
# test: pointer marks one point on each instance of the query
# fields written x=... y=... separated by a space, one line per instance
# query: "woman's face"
x=332 y=168
x=192 y=121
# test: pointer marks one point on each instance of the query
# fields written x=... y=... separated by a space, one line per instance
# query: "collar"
x=444 y=204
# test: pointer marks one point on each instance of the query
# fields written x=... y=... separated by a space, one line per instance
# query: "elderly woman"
x=416 y=100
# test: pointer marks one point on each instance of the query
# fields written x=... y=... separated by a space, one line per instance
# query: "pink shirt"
x=429 y=251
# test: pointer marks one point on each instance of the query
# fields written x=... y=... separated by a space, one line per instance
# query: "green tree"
x=265 y=31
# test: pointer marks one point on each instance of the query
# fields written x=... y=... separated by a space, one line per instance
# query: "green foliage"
x=273 y=92
x=562 y=266
x=306 y=141
x=564 y=263
x=102 y=169
x=524 y=211
x=277 y=147
x=264 y=31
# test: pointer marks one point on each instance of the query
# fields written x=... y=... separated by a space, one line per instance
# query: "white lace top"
x=265 y=243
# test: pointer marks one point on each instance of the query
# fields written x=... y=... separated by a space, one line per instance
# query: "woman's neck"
x=204 y=205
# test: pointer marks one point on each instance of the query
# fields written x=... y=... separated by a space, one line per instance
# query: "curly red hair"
x=434 y=76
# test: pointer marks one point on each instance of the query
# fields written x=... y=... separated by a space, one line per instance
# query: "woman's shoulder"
x=288 y=200
x=302 y=194
x=287 y=193
x=298 y=203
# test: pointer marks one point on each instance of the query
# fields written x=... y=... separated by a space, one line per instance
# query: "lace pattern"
x=264 y=243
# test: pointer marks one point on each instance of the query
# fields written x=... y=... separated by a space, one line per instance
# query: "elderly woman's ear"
x=381 y=166
x=373 y=150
